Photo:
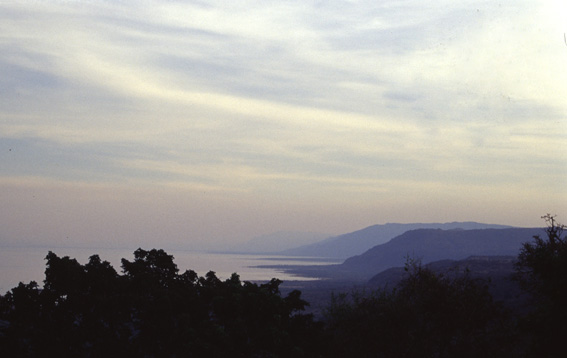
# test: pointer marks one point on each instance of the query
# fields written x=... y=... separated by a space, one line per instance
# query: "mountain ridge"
x=428 y=245
x=424 y=245
x=357 y=242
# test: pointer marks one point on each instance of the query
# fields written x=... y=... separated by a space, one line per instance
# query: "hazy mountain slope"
x=430 y=245
x=427 y=245
x=357 y=242
x=278 y=241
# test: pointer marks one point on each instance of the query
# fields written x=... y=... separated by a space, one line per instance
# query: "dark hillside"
x=357 y=242
x=433 y=245
x=426 y=245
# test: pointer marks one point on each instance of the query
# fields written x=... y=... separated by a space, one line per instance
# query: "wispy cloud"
x=306 y=100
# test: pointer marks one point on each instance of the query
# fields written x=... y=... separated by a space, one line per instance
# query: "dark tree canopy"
x=426 y=315
x=151 y=311
x=542 y=271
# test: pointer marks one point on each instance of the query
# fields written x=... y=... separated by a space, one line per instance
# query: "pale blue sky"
x=192 y=123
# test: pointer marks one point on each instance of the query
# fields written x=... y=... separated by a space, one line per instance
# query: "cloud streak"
x=316 y=102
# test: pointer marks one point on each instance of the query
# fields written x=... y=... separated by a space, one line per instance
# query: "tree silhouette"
x=542 y=271
x=152 y=311
x=426 y=315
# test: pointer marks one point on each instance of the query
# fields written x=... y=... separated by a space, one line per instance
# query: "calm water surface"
x=25 y=264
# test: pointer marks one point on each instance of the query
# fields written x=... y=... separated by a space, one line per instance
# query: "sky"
x=206 y=123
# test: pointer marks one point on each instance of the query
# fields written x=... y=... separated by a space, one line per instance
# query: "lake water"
x=25 y=264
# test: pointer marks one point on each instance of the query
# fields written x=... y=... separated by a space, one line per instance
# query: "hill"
x=430 y=245
x=427 y=245
x=357 y=242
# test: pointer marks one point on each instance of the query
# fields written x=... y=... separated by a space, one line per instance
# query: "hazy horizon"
x=200 y=124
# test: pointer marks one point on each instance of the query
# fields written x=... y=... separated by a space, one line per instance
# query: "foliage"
x=542 y=271
x=426 y=315
x=150 y=311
